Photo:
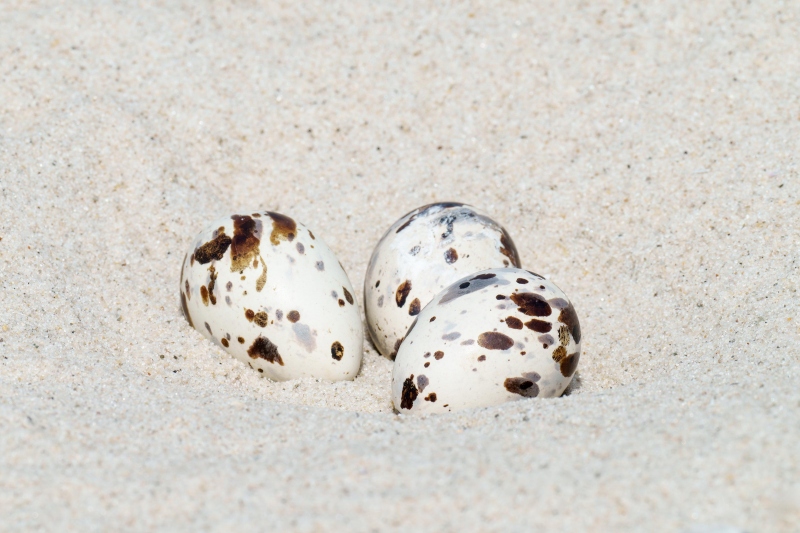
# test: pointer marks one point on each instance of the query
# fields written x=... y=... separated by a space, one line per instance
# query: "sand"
x=644 y=158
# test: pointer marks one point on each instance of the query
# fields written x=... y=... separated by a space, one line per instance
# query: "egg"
x=421 y=254
x=271 y=293
x=494 y=336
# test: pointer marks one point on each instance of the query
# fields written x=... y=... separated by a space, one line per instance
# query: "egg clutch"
x=445 y=298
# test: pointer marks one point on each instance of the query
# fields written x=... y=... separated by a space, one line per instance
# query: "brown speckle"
x=348 y=296
x=427 y=364
x=244 y=245
x=569 y=317
x=311 y=235
x=525 y=386
x=293 y=316
x=531 y=304
x=240 y=339
x=508 y=249
x=492 y=340
x=563 y=335
x=249 y=314
x=539 y=326
x=432 y=319
x=522 y=281
x=262 y=279
x=397 y=344
x=409 y=393
x=414 y=307
x=569 y=364
x=402 y=293
x=438 y=355
x=500 y=297
x=427 y=354
x=265 y=349
x=341 y=302
x=422 y=382
x=204 y=294
x=482 y=358
x=213 y=249
x=213 y=274
x=431 y=397
x=451 y=256
x=300 y=248
x=188 y=292
x=559 y=354
x=337 y=350
x=377 y=284
x=513 y=322
x=283 y=228
x=186 y=310
x=224 y=342
x=261 y=319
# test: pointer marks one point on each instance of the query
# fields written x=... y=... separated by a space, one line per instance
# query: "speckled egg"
x=272 y=294
x=494 y=336
x=421 y=254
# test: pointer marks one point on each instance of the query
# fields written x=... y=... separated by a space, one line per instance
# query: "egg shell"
x=271 y=293
x=421 y=254
x=494 y=336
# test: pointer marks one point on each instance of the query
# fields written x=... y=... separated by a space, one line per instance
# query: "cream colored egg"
x=494 y=336
x=422 y=253
x=271 y=293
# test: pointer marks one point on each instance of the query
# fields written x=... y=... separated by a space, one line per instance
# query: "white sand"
x=644 y=157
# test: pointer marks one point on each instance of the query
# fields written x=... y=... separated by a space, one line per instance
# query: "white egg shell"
x=494 y=336
x=273 y=295
x=421 y=254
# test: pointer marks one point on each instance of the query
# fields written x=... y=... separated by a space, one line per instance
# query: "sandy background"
x=643 y=156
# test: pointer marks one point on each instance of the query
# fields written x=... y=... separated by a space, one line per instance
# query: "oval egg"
x=494 y=336
x=272 y=294
x=421 y=254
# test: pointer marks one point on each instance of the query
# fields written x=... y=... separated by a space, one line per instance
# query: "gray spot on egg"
x=304 y=336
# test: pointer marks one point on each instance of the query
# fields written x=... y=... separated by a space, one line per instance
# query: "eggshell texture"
x=421 y=254
x=272 y=294
x=494 y=336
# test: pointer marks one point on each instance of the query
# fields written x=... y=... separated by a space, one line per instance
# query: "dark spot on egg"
x=283 y=228
x=409 y=393
x=539 y=326
x=265 y=349
x=211 y=283
x=279 y=314
x=451 y=256
x=213 y=249
x=432 y=319
x=522 y=281
x=500 y=297
x=492 y=340
x=224 y=342
x=348 y=296
x=531 y=304
x=293 y=316
x=188 y=292
x=431 y=397
x=229 y=286
x=438 y=354
x=397 y=344
x=414 y=307
x=300 y=248
x=569 y=317
x=482 y=358
x=249 y=314
x=402 y=293
x=427 y=364
x=209 y=328
x=261 y=319
x=337 y=350
x=240 y=339
x=508 y=249
x=422 y=382
x=311 y=235
x=513 y=322
x=569 y=364
x=377 y=284
x=524 y=386
x=204 y=294
x=559 y=354
x=341 y=302
x=464 y=285
x=320 y=266
x=186 y=310
x=245 y=243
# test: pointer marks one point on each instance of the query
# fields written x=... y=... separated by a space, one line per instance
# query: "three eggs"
x=444 y=296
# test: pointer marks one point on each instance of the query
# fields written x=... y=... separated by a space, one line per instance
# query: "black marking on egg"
x=265 y=349
x=414 y=307
x=213 y=249
x=531 y=304
x=524 y=386
x=569 y=317
x=409 y=393
x=402 y=293
x=539 y=326
x=337 y=350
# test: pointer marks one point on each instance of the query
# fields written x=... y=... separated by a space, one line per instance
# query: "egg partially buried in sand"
x=421 y=254
x=273 y=295
x=494 y=336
